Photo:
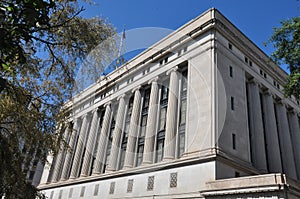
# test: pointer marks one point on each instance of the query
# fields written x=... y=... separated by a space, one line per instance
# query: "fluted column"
x=79 y=148
x=70 y=152
x=133 y=129
x=295 y=135
x=170 y=135
x=151 y=123
x=256 y=128
x=117 y=134
x=90 y=145
x=102 y=140
x=288 y=162
x=59 y=160
x=273 y=150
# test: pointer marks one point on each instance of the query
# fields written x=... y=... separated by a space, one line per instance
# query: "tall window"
x=141 y=138
x=108 y=146
x=162 y=123
x=182 y=116
x=101 y=112
x=125 y=133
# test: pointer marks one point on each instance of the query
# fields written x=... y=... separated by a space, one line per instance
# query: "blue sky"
x=254 y=18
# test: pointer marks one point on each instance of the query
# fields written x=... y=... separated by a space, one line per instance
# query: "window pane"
x=162 y=121
x=160 y=150
x=183 y=112
x=140 y=154
x=143 y=126
x=181 y=143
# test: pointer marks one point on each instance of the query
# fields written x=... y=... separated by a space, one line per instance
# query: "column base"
x=83 y=175
x=146 y=163
x=167 y=158
x=127 y=167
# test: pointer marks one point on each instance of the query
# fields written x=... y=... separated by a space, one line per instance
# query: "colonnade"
x=274 y=132
x=77 y=161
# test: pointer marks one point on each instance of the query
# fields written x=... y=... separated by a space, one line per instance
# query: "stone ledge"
x=251 y=184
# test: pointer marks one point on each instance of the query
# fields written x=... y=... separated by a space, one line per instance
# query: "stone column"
x=79 y=148
x=273 y=150
x=288 y=162
x=117 y=134
x=102 y=140
x=86 y=166
x=151 y=123
x=59 y=160
x=171 y=120
x=295 y=135
x=70 y=152
x=256 y=128
x=133 y=129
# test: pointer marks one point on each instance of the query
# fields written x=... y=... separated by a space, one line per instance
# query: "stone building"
x=200 y=114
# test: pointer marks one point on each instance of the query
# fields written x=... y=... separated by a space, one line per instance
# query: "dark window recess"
x=232 y=103
x=246 y=60
x=233 y=141
x=250 y=63
x=265 y=75
x=230 y=46
x=185 y=49
x=261 y=72
x=166 y=60
x=237 y=174
x=230 y=71
x=179 y=52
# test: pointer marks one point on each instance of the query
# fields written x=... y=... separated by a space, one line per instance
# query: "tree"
x=42 y=45
x=286 y=41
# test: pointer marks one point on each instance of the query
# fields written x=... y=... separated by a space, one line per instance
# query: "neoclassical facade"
x=200 y=114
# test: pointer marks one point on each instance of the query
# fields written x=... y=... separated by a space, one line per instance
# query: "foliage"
x=42 y=44
x=286 y=41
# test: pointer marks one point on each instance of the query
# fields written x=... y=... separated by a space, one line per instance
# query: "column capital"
x=174 y=69
x=154 y=80
x=254 y=81
x=94 y=110
x=121 y=96
x=77 y=119
x=136 y=88
x=267 y=92
x=107 y=104
x=290 y=109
